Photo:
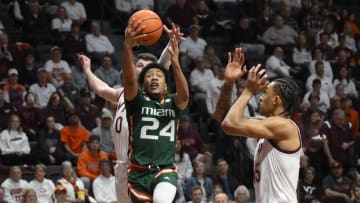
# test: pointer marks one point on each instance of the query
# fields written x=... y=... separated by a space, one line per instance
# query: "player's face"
x=140 y=64
x=155 y=83
x=266 y=100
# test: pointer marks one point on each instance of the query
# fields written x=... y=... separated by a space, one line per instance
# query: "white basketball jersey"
x=121 y=130
x=276 y=173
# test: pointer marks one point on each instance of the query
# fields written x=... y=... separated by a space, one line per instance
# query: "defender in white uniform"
x=120 y=125
x=277 y=158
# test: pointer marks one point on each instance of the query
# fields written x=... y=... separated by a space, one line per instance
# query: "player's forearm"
x=164 y=59
x=224 y=101
x=236 y=112
x=182 y=89
x=129 y=71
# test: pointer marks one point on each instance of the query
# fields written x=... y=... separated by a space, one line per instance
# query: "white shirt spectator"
x=12 y=141
x=326 y=84
x=99 y=44
x=44 y=190
x=213 y=92
x=301 y=56
x=75 y=11
x=333 y=41
x=349 y=86
x=324 y=102
x=61 y=26
x=42 y=93
x=283 y=36
x=350 y=43
x=143 y=4
x=13 y=191
x=57 y=70
x=70 y=193
x=201 y=79
x=274 y=66
x=327 y=69
x=104 y=189
x=124 y=5
x=194 y=49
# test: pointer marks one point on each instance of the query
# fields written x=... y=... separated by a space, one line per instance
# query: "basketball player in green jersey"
x=152 y=115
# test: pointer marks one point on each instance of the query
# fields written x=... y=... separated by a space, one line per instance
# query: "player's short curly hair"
x=151 y=66
x=288 y=91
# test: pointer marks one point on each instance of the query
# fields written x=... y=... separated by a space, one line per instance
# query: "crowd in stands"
x=50 y=117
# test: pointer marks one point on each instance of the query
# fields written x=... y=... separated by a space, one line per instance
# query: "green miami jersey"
x=152 y=129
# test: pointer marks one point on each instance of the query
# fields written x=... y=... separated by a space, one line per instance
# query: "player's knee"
x=164 y=193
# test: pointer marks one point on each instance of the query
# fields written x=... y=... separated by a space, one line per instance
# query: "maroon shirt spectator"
x=5 y=111
x=340 y=138
x=87 y=112
x=74 y=43
x=189 y=138
x=180 y=14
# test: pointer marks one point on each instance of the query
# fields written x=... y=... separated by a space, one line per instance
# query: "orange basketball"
x=153 y=26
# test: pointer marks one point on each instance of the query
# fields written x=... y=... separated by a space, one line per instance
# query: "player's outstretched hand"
x=174 y=32
x=85 y=62
x=235 y=68
x=257 y=79
x=132 y=33
x=174 y=50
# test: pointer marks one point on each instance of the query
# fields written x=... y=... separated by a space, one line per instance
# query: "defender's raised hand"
x=174 y=32
x=257 y=79
x=235 y=68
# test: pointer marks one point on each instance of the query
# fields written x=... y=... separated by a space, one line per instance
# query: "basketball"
x=153 y=26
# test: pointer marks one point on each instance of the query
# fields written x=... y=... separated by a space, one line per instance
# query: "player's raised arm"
x=129 y=71
x=164 y=59
x=98 y=86
x=181 y=98
x=234 y=71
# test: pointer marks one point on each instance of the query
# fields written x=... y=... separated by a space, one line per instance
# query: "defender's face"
x=140 y=64
x=154 y=82
x=266 y=100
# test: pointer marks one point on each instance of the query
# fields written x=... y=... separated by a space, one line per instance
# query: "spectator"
x=352 y=115
x=275 y=65
x=326 y=49
x=59 y=107
x=199 y=178
x=29 y=196
x=310 y=192
x=107 y=73
x=301 y=56
x=60 y=194
x=192 y=48
x=244 y=35
x=143 y=4
x=43 y=187
x=180 y=14
x=349 y=37
x=60 y=25
x=336 y=186
x=104 y=131
x=56 y=67
x=313 y=22
x=124 y=8
x=14 y=92
x=50 y=143
x=31 y=117
x=74 y=138
x=36 y=25
x=279 y=33
x=221 y=198
x=72 y=183
x=104 y=185
x=224 y=178
x=88 y=161
x=79 y=77
x=200 y=79
x=14 y=186
x=9 y=52
x=42 y=89
x=98 y=45
x=342 y=60
x=317 y=92
x=318 y=56
x=205 y=19
x=286 y=13
x=340 y=139
x=263 y=21
x=333 y=36
x=27 y=72
x=344 y=78
x=14 y=143
x=326 y=84
x=69 y=90
x=75 y=10
x=183 y=162
x=88 y=113
x=189 y=138
x=74 y=43
x=196 y=194
x=210 y=57
x=356 y=194
x=242 y=194
x=342 y=46
x=6 y=110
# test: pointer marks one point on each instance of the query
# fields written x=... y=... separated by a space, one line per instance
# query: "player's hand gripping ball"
x=153 y=26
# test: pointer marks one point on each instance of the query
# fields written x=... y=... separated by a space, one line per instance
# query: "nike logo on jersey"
x=166 y=178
